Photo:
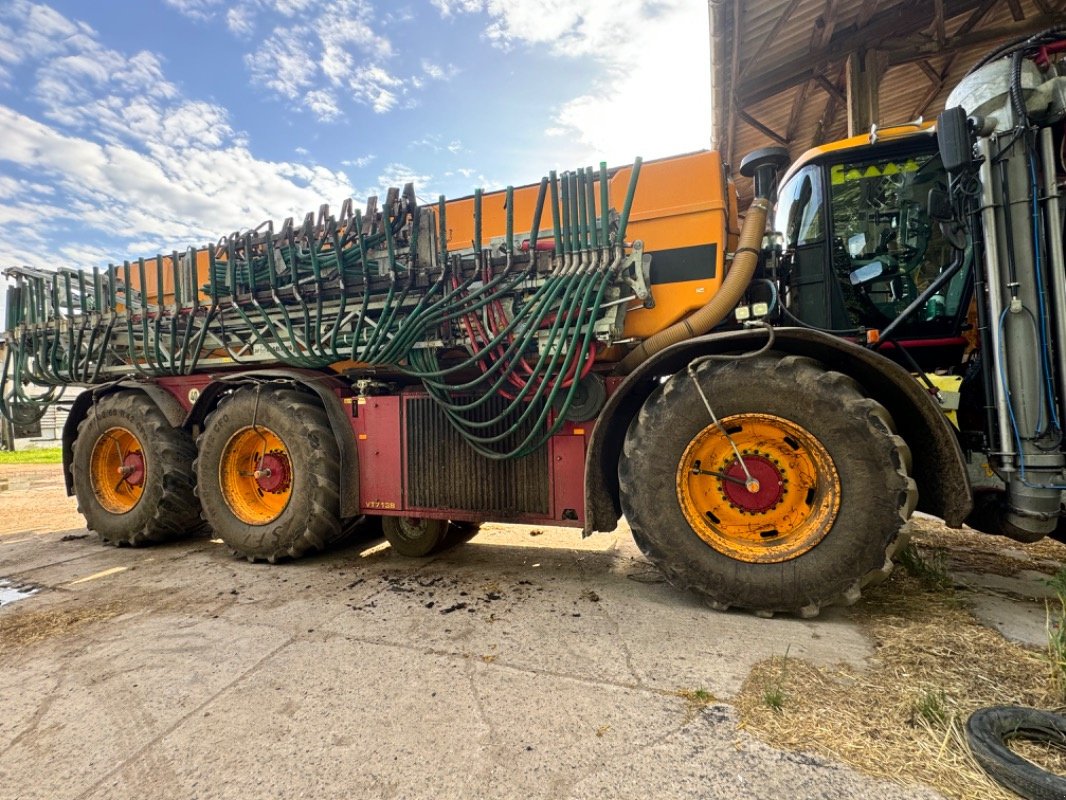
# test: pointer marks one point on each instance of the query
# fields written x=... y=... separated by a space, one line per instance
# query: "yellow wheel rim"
x=117 y=470
x=788 y=507
x=255 y=474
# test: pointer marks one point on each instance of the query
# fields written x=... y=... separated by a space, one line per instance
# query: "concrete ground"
x=528 y=663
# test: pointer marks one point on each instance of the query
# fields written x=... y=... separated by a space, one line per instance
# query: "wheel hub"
x=777 y=504
x=117 y=470
x=764 y=494
x=274 y=473
x=132 y=469
x=255 y=474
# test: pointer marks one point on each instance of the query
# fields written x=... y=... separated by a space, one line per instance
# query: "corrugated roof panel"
x=802 y=46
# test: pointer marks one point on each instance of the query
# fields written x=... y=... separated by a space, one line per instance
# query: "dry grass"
x=21 y=629
x=969 y=551
x=903 y=718
x=1046 y=755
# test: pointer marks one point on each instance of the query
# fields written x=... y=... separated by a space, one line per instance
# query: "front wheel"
x=794 y=500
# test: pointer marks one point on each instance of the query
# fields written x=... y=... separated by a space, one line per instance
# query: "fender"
x=939 y=466
x=329 y=390
x=167 y=403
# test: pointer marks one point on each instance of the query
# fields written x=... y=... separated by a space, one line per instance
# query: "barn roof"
x=792 y=72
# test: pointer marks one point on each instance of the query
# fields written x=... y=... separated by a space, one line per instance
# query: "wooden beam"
x=884 y=25
x=1042 y=6
x=761 y=128
x=828 y=113
x=972 y=21
x=866 y=11
x=902 y=51
x=863 y=73
x=756 y=54
x=938 y=21
x=930 y=73
x=798 y=104
x=829 y=88
x=936 y=79
x=1016 y=10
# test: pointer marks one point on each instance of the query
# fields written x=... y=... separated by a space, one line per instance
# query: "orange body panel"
x=151 y=279
x=680 y=202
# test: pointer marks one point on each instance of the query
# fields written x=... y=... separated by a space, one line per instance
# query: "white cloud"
x=118 y=150
x=241 y=20
x=438 y=72
x=360 y=162
x=317 y=62
x=195 y=9
x=283 y=64
x=653 y=96
x=397 y=175
x=449 y=7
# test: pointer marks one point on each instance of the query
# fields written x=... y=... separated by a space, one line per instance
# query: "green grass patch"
x=930 y=569
x=43 y=455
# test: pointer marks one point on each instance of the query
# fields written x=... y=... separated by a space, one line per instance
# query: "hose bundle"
x=478 y=325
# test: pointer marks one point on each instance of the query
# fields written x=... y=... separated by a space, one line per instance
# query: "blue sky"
x=133 y=126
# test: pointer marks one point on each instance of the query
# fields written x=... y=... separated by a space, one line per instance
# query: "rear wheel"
x=268 y=476
x=795 y=501
x=133 y=473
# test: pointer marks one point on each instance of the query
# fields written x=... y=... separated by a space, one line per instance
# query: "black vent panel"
x=443 y=471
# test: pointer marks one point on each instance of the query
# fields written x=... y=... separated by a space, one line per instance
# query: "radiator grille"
x=443 y=471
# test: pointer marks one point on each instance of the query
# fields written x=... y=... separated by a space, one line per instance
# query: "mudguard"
x=939 y=466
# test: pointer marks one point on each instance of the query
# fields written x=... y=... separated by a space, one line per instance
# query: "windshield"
x=886 y=250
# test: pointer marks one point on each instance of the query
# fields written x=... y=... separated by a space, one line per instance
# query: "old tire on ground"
x=416 y=537
x=268 y=475
x=133 y=473
x=987 y=731
x=831 y=494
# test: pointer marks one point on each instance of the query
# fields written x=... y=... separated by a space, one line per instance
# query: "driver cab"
x=858 y=247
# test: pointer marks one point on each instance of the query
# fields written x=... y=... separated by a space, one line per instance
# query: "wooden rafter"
x=1016 y=10
x=828 y=114
x=765 y=130
x=786 y=15
x=939 y=31
x=866 y=11
x=936 y=81
x=794 y=116
x=902 y=51
x=884 y=23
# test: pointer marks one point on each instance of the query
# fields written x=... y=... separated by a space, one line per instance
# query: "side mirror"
x=954 y=139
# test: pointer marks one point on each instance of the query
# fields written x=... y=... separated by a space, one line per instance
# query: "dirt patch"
x=903 y=718
x=19 y=630
x=34 y=500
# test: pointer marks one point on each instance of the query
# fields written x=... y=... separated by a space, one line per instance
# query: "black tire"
x=167 y=508
x=988 y=730
x=310 y=520
x=858 y=540
x=420 y=537
x=460 y=533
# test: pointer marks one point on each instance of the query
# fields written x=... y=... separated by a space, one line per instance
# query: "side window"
x=799 y=216
x=893 y=250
